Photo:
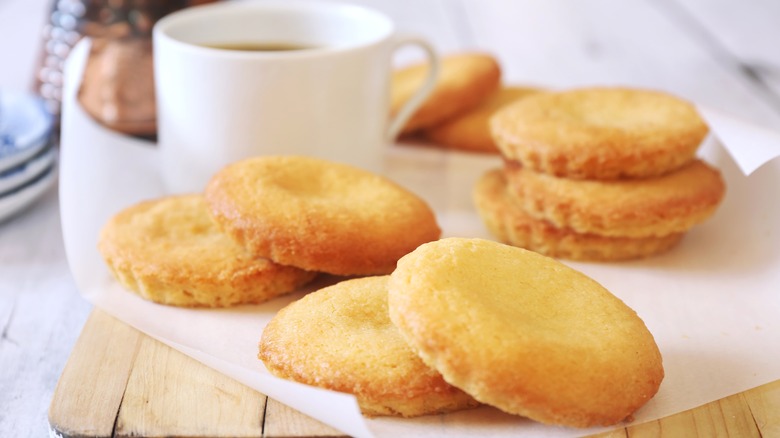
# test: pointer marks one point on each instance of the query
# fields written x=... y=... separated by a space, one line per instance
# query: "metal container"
x=118 y=86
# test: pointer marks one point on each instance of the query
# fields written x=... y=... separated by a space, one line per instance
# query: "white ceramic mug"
x=329 y=100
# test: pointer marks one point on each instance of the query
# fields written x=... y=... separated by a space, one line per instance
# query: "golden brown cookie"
x=506 y=220
x=341 y=338
x=524 y=333
x=319 y=215
x=464 y=80
x=169 y=251
x=470 y=131
x=660 y=206
x=600 y=133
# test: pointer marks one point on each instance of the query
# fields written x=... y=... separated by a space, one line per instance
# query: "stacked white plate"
x=28 y=159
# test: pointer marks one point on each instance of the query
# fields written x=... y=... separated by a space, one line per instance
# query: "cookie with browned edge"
x=319 y=215
x=508 y=222
x=524 y=333
x=658 y=206
x=465 y=79
x=600 y=133
x=470 y=131
x=341 y=338
x=169 y=251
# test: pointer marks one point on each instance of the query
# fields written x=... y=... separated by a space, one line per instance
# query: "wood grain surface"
x=121 y=383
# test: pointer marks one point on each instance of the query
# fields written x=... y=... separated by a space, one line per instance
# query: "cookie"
x=524 y=333
x=506 y=220
x=169 y=251
x=341 y=338
x=319 y=215
x=599 y=133
x=660 y=206
x=464 y=81
x=470 y=131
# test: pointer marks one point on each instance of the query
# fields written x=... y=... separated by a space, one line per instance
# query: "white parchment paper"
x=712 y=303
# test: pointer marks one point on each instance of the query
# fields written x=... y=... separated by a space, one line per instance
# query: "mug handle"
x=407 y=110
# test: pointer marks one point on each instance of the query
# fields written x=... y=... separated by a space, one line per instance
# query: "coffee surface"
x=250 y=46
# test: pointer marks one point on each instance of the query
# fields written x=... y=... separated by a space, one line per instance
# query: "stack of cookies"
x=462 y=322
x=264 y=227
x=468 y=91
x=598 y=174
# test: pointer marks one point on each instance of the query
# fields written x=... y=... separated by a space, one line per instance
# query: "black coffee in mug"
x=259 y=46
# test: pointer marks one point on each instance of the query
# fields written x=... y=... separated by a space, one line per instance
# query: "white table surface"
x=41 y=312
x=721 y=53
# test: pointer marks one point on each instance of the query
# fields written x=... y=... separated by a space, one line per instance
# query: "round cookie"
x=599 y=133
x=524 y=333
x=319 y=215
x=464 y=80
x=169 y=251
x=660 y=206
x=341 y=338
x=506 y=220
x=470 y=131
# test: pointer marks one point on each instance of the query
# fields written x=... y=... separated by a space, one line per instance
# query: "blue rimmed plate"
x=25 y=127
x=16 y=200
x=22 y=173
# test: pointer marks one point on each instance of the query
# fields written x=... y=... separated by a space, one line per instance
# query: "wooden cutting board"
x=119 y=382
